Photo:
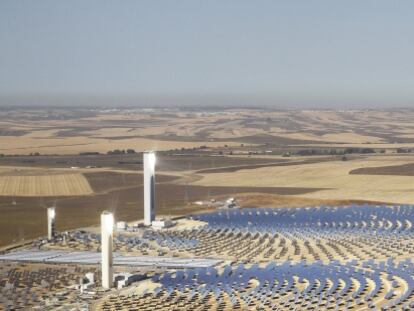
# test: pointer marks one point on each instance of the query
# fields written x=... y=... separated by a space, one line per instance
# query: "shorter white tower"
x=107 y=229
x=149 y=187
x=51 y=214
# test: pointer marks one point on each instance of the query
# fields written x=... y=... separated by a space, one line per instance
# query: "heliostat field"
x=340 y=258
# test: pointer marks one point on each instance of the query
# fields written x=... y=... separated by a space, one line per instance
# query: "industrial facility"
x=329 y=258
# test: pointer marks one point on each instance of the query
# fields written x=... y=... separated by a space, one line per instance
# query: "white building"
x=121 y=226
x=162 y=224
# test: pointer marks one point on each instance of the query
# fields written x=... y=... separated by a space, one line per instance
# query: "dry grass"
x=46 y=144
x=45 y=185
x=275 y=200
x=345 y=137
x=333 y=176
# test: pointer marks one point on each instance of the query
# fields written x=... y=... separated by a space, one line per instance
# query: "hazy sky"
x=289 y=52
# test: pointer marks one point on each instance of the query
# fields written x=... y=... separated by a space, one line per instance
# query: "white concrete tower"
x=51 y=214
x=107 y=229
x=149 y=187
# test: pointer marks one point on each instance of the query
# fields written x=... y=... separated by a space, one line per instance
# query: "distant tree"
x=116 y=151
x=130 y=151
x=367 y=150
x=359 y=150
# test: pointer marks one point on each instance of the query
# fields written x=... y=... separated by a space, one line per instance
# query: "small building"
x=230 y=203
x=162 y=224
x=85 y=282
x=125 y=279
x=121 y=226
x=90 y=276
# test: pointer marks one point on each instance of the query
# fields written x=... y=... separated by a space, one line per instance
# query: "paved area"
x=58 y=256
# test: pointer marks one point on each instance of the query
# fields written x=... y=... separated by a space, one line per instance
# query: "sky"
x=310 y=53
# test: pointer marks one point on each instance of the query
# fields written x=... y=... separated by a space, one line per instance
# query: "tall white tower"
x=107 y=229
x=149 y=187
x=51 y=214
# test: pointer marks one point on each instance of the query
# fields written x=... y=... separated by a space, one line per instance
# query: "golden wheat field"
x=45 y=185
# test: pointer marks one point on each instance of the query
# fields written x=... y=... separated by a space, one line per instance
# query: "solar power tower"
x=149 y=187
x=51 y=215
x=107 y=231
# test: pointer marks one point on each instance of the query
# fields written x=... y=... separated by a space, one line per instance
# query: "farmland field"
x=333 y=177
x=44 y=185
x=71 y=131
x=84 y=161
